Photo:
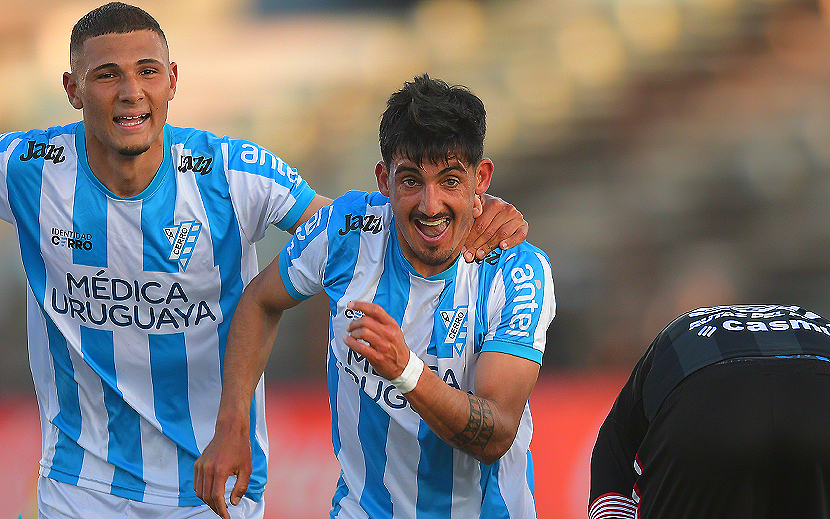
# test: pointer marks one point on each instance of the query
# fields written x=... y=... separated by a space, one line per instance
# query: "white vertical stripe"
x=466 y=486
x=350 y=455
x=401 y=477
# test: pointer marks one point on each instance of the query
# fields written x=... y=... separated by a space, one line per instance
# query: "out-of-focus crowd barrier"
x=567 y=411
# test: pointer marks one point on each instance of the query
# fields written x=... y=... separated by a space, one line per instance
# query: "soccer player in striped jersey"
x=137 y=239
x=431 y=360
x=724 y=417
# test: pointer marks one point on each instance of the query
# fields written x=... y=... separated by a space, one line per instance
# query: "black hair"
x=429 y=120
x=111 y=18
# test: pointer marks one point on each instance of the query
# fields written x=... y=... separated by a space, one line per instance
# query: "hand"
x=378 y=338
x=229 y=452
x=499 y=224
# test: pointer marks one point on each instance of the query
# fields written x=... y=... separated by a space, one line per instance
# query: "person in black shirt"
x=724 y=416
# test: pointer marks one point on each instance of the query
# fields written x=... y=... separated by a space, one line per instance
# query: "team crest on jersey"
x=182 y=240
x=456 y=324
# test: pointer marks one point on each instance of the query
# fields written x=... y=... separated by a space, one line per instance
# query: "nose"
x=430 y=203
x=130 y=89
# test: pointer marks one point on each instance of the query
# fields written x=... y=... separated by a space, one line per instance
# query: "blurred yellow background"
x=668 y=154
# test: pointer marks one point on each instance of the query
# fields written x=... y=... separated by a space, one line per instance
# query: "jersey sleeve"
x=323 y=252
x=614 y=463
x=521 y=304
x=8 y=144
x=265 y=190
x=303 y=259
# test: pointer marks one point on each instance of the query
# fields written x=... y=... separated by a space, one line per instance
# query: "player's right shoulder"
x=54 y=145
x=15 y=137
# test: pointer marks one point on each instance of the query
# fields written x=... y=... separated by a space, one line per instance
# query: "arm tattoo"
x=479 y=428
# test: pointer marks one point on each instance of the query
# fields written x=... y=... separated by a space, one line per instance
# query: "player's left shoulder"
x=521 y=254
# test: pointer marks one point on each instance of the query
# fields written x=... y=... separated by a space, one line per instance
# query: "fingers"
x=210 y=489
x=212 y=469
x=500 y=225
x=239 y=488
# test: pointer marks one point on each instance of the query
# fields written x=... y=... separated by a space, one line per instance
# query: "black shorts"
x=741 y=439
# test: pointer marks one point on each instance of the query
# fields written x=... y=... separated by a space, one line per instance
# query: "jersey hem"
x=516 y=350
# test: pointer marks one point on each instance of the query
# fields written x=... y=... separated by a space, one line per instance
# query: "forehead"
x=121 y=49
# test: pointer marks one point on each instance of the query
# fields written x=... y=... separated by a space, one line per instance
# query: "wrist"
x=406 y=381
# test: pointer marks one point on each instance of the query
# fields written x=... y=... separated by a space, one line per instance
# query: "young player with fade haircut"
x=431 y=360
x=137 y=239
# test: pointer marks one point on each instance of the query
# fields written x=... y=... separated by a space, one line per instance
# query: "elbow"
x=495 y=449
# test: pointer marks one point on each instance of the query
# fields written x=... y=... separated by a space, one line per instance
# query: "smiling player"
x=431 y=360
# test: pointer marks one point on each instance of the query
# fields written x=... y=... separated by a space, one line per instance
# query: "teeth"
x=431 y=223
x=131 y=120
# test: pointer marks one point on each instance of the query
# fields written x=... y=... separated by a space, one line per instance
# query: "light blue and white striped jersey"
x=130 y=301
x=393 y=465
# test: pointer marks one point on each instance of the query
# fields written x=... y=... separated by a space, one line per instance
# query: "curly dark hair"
x=429 y=120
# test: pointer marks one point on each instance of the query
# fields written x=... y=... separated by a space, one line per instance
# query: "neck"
x=125 y=175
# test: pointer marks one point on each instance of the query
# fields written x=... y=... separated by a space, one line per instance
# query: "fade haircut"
x=111 y=18
x=428 y=120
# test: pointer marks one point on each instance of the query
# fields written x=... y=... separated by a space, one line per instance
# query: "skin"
x=434 y=207
x=123 y=83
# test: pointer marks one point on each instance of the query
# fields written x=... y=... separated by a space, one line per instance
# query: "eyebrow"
x=412 y=169
x=143 y=61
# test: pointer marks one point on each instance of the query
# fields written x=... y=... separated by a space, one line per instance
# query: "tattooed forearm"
x=479 y=428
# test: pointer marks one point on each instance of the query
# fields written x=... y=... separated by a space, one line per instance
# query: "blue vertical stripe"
x=333 y=376
x=69 y=457
x=341 y=492
x=123 y=423
x=531 y=478
x=171 y=400
x=492 y=505
x=372 y=429
x=346 y=249
x=89 y=216
x=435 y=475
x=393 y=286
x=24 y=183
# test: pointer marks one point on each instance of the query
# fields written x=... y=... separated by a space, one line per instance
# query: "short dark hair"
x=111 y=18
x=430 y=120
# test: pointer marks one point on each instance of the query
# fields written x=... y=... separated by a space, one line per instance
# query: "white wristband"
x=411 y=373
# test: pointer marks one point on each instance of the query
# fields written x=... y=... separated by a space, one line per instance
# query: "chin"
x=436 y=258
x=133 y=151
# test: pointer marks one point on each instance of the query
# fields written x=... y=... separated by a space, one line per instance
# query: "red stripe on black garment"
x=613 y=506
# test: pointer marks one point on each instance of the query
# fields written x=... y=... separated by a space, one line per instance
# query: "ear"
x=383 y=178
x=484 y=174
x=174 y=79
x=71 y=88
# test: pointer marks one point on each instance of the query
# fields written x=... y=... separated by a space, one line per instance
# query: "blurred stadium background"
x=668 y=154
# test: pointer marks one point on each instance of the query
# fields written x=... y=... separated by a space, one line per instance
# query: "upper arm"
x=506 y=381
x=316 y=204
x=269 y=291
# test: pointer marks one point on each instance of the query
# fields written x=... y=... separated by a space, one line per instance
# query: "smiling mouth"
x=134 y=120
x=433 y=228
